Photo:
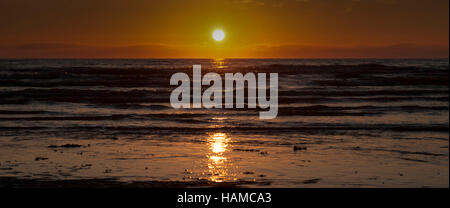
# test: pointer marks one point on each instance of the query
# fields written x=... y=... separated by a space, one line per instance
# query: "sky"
x=253 y=28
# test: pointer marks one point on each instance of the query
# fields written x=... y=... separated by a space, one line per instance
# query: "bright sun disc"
x=218 y=35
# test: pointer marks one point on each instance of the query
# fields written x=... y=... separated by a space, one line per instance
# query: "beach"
x=108 y=123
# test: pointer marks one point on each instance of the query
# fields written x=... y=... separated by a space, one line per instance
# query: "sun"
x=218 y=35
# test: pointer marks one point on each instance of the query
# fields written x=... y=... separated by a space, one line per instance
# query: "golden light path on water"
x=219 y=63
x=218 y=164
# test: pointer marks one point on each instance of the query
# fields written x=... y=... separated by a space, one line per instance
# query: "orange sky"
x=254 y=28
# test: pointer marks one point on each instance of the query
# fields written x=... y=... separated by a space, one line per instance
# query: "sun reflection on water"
x=219 y=63
x=218 y=143
x=218 y=164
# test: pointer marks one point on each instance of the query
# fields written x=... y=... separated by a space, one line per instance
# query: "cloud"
x=246 y=3
x=60 y=50
x=33 y=46
x=388 y=51
x=278 y=5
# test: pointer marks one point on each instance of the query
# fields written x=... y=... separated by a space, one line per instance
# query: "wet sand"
x=218 y=159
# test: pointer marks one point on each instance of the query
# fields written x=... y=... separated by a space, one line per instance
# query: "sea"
x=340 y=123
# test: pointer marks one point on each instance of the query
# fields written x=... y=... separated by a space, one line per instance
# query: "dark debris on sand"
x=297 y=148
x=310 y=181
x=66 y=146
x=251 y=150
x=40 y=158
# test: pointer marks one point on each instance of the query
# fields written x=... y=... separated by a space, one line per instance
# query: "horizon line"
x=249 y=58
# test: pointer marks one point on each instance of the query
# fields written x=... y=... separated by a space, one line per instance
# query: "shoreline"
x=15 y=182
